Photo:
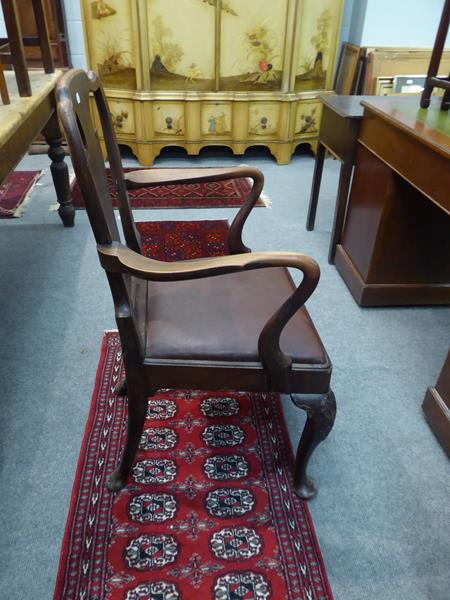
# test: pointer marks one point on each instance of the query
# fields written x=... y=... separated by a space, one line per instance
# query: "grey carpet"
x=383 y=512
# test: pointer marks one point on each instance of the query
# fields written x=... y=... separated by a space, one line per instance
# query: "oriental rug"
x=15 y=192
x=213 y=194
x=209 y=511
x=183 y=240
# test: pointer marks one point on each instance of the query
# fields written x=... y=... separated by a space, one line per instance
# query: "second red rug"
x=213 y=194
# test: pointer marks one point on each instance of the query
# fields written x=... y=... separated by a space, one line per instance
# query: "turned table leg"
x=59 y=170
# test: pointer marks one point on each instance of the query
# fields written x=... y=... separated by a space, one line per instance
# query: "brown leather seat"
x=203 y=319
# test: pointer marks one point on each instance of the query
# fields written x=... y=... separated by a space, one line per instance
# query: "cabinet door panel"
x=181 y=44
x=252 y=44
x=317 y=28
x=216 y=119
x=109 y=31
x=168 y=119
x=263 y=119
x=308 y=117
x=122 y=114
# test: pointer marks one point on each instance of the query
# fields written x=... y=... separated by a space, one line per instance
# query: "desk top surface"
x=12 y=115
x=430 y=125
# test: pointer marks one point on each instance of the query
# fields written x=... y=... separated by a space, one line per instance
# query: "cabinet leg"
x=345 y=178
x=317 y=177
x=59 y=170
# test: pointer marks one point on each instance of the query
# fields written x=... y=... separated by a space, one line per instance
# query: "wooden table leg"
x=341 y=206
x=60 y=172
x=317 y=177
x=3 y=88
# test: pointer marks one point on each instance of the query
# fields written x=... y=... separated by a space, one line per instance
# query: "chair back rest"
x=72 y=94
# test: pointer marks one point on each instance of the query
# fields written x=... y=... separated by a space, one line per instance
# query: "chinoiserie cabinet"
x=196 y=73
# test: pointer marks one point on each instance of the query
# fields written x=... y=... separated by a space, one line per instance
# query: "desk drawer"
x=422 y=166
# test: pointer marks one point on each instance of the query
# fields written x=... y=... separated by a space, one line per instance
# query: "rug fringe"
x=24 y=204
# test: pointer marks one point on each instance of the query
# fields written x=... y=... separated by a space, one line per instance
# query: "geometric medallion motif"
x=223 y=406
x=236 y=543
x=155 y=470
x=241 y=585
x=158 y=438
x=228 y=503
x=152 y=508
x=156 y=590
x=151 y=551
x=226 y=466
x=161 y=409
x=220 y=436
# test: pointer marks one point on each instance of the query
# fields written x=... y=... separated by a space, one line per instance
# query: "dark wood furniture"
x=341 y=119
x=230 y=322
x=395 y=244
x=56 y=32
x=436 y=407
x=22 y=120
x=433 y=81
x=12 y=49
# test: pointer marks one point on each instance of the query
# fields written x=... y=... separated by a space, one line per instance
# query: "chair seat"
x=212 y=319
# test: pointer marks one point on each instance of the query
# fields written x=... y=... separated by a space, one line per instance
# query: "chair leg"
x=445 y=104
x=121 y=387
x=137 y=410
x=321 y=414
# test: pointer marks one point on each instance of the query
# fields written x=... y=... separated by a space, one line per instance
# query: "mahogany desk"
x=395 y=247
x=436 y=407
x=22 y=120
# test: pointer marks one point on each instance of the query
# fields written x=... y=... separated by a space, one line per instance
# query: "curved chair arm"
x=117 y=258
x=153 y=177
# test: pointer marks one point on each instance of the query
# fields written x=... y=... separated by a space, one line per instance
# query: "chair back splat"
x=87 y=156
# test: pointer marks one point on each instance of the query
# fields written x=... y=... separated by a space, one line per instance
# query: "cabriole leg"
x=137 y=410
x=121 y=387
x=321 y=412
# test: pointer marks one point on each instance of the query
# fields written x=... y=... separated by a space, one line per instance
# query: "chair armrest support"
x=144 y=178
x=116 y=258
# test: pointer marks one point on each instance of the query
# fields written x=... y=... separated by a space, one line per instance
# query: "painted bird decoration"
x=225 y=7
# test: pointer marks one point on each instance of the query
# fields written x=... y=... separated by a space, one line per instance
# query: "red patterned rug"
x=183 y=240
x=209 y=510
x=214 y=194
x=14 y=192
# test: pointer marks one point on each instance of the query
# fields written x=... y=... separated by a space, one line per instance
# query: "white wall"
x=410 y=23
x=75 y=35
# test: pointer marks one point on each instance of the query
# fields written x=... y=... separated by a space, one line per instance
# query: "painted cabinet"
x=195 y=73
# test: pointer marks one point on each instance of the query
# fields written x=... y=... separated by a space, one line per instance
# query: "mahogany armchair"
x=230 y=322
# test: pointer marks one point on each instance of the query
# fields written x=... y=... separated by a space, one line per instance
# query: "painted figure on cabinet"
x=314 y=56
x=177 y=63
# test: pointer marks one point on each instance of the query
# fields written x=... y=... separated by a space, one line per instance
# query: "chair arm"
x=117 y=258
x=153 y=177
